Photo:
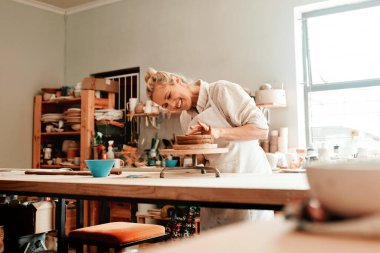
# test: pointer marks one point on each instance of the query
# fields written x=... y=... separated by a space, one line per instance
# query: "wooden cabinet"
x=87 y=103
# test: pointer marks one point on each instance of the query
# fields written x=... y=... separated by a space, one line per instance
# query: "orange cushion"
x=118 y=232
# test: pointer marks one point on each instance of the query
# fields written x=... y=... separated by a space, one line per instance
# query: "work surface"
x=269 y=237
x=246 y=189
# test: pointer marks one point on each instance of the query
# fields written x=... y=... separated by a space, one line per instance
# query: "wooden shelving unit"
x=87 y=103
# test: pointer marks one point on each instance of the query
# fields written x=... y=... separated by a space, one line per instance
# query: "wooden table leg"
x=62 y=246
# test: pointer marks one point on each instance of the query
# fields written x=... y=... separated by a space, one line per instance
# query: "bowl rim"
x=360 y=165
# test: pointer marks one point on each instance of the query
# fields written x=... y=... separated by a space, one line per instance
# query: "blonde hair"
x=154 y=78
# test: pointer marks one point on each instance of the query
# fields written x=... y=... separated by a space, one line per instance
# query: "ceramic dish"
x=348 y=189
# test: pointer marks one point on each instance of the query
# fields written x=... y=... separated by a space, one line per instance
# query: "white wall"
x=31 y=57
x=244 y=41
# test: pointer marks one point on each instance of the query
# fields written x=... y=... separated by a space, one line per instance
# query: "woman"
x=224 y=110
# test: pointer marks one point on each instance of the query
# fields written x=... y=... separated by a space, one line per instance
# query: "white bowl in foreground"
x=347 y=189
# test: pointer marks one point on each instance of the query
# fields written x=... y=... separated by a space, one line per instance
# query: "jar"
x=265 y=146
x=72 y=153
x=187 y=161
x=152 y=153
x=47 y=153
x=139 y=107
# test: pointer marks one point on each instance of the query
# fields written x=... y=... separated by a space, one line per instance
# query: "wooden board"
x=37 y=131
x=78 y=173
x=195 y=146
x=90 y=83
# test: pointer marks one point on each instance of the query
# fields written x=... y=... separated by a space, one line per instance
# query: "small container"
x=171 y=163
x=187 y=161
x=139 y=107
x=47 y=153
x=72 y=153
x=265 y=145
x=100 y=168
x=273 y=145
x=152 y=153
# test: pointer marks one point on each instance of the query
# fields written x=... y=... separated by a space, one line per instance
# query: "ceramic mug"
x=49 y=128
x=148 y=106
x=131 y=105
x=77 y=161
x=139 y=107
x=58 y=160
x=155 y=109
x=272 y=159
x=118 y=163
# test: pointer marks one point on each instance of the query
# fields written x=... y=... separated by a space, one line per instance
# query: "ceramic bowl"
x=171 y=163
x=47 y=96
x=75 y=127
x=100 y=168
x=348 y=189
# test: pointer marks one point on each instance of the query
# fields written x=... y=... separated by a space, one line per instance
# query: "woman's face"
x=175 y=97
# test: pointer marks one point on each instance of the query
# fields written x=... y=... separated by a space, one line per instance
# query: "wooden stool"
x=117 y=235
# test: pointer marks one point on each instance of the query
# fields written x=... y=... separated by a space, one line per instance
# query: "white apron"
x=242 y=157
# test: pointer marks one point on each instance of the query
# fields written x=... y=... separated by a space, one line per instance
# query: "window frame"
x=309 y=87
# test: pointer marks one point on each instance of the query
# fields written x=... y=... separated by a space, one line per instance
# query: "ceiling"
x=66 y=4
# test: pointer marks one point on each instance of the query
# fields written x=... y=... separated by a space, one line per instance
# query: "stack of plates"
x=52 y=117
x=194 y=142
x=72 y=115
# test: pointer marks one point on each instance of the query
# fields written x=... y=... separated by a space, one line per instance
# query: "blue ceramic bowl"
x=100 y=168
x=171 y=163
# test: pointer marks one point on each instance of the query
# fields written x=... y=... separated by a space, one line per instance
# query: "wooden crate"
x=101 y=84
x=120 y=211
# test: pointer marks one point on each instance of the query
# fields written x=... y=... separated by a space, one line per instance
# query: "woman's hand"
x=202 y=128
x=241 y=133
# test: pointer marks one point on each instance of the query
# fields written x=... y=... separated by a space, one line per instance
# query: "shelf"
x=61 y=133
x=193 y=151
x=45 y=166
x=152 y=216
x=271 y=105
x=100 y=103
x=158 y=217
x=142 y=114
x=153 y=114
x=66 y=101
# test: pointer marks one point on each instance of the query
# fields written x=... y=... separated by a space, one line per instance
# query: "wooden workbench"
x=269 y=237
x=227 y=191
x=246 y=191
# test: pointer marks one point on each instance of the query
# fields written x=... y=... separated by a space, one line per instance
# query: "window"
x=129 y=87
x=341 y=66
